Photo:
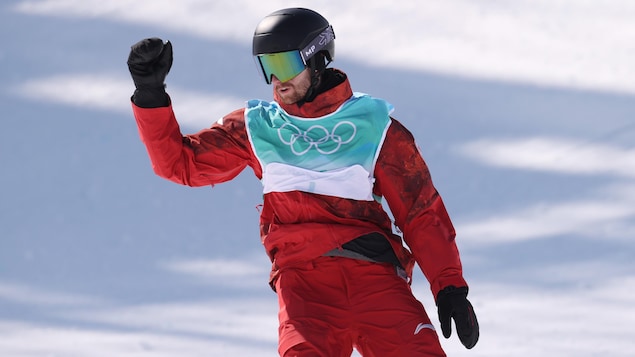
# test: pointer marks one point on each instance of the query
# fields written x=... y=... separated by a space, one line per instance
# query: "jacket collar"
x=324 y=103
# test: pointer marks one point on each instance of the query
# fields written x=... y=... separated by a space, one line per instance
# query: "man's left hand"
x=452 y=303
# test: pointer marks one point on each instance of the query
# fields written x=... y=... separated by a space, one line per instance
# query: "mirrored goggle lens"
x=283 y=65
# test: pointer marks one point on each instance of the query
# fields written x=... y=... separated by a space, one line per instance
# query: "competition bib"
x=332 y=155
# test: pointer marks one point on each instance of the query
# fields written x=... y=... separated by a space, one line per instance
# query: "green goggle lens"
x=283 y=65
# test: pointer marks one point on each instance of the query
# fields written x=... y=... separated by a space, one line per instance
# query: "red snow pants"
x=334 y=304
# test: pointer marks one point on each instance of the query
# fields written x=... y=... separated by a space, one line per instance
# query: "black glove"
x=452 y=303
x=149 y=62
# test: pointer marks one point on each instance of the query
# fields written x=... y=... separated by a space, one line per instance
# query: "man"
x=326 y=157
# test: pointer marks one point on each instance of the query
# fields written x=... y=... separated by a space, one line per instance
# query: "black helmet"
x=290 y=29
x=298 y=31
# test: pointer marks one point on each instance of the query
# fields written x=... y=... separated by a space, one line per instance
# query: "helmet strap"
x=317 y=65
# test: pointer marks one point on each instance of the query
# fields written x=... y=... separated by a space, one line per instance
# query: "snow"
x=523 y=110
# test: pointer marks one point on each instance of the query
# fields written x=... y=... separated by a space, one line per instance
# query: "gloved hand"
x=149 y=62
x=452 y=303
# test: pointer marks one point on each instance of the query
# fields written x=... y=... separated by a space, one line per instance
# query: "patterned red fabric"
x=297 y=227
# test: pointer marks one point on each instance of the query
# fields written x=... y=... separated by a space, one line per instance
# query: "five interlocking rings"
x=305 y=141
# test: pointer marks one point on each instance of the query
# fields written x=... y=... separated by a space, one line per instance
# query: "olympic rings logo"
x=317 y=137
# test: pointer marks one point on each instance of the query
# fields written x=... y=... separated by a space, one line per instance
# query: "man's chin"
x=287 y=98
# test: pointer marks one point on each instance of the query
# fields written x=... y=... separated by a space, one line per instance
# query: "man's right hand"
x=149 y=62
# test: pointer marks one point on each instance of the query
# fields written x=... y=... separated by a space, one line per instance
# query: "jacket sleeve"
x=208 y=157
x=403 y=178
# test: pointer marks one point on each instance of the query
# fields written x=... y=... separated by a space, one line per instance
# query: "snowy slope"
x=523 y=109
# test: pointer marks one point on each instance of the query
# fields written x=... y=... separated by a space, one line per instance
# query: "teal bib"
x=333 y=155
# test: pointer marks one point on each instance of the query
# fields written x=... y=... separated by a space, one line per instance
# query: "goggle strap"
x=318 y=43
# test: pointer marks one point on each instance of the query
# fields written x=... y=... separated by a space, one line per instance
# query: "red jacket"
x=295 y=226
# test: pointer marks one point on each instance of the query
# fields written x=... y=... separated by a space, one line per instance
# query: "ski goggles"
x=286 y=65
x=283 y=65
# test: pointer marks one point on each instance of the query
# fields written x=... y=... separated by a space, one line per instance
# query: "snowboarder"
x=326 y=157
